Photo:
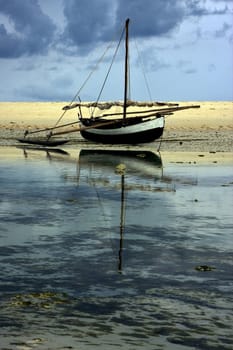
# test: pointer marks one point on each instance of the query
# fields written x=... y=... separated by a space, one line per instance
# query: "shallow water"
x=101 y=251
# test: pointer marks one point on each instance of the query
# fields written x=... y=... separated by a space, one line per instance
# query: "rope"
x=109 y=70
x=85 y=82
x=143 y=70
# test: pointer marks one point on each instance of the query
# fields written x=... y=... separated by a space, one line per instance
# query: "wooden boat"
x=126 y=126
x=132 y=131
x=43 y=142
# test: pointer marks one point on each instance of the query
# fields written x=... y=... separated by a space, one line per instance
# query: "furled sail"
x=108 y=105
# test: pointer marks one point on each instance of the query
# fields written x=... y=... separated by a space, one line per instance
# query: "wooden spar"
x=52 y=128
x=168 y=110
x=164 y=111
x=158 y=110
x=126 y=68
x=85 y=127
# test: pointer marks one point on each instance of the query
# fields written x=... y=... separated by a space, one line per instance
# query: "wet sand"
x=207 y=129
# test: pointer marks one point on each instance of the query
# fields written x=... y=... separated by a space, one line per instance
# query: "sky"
x=182 y=50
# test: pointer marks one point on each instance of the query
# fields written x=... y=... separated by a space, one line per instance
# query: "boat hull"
x=140 y=132
x=43 y=142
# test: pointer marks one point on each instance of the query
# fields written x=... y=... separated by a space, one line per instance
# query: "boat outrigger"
x=126 y=126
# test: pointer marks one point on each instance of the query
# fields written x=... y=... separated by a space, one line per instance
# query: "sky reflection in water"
x=117 y=250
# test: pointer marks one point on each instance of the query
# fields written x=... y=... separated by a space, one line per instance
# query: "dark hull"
x=140 y=137
x=43 y=142
x=140 y=132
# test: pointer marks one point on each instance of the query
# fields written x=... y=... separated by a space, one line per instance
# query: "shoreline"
x=206 y=129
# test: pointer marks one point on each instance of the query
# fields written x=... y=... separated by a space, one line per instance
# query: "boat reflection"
x=122 y=171
x=122 y=198
x=48 y=151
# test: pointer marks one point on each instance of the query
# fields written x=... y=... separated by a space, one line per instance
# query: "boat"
x=127 y=125
x=41 y=142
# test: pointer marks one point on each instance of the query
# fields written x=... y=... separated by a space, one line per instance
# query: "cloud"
x=91 y=21
x=200 y=8
x=88 y=21
x=211 y=67
x=190 y=71
x=60 y=89
x=223 y=31
x=151 y=18
x=31 y=30
x=153 y=63
x=26 y=30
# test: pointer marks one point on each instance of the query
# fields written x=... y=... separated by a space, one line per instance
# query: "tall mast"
x=126 y=68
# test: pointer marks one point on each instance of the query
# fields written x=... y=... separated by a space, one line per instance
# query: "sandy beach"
x=207 y=129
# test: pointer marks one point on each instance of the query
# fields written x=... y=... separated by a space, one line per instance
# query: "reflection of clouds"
x=69 y=255
x=76 y=224
x=5 y=207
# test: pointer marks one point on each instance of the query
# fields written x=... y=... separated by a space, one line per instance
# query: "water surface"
x=103 y=251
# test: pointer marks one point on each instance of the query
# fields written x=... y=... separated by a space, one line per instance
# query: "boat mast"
x=126 y=68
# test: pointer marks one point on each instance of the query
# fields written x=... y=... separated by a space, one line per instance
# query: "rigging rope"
x=85 y=82
x=143 y=70
x=109 y=70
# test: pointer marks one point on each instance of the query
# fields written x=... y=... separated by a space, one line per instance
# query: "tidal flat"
x=109 y=249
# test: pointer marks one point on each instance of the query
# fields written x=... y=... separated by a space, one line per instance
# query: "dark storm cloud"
x=32 y=30
x=151 y=18
x=26 y=30
x=87 y=21
x=90 y=21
